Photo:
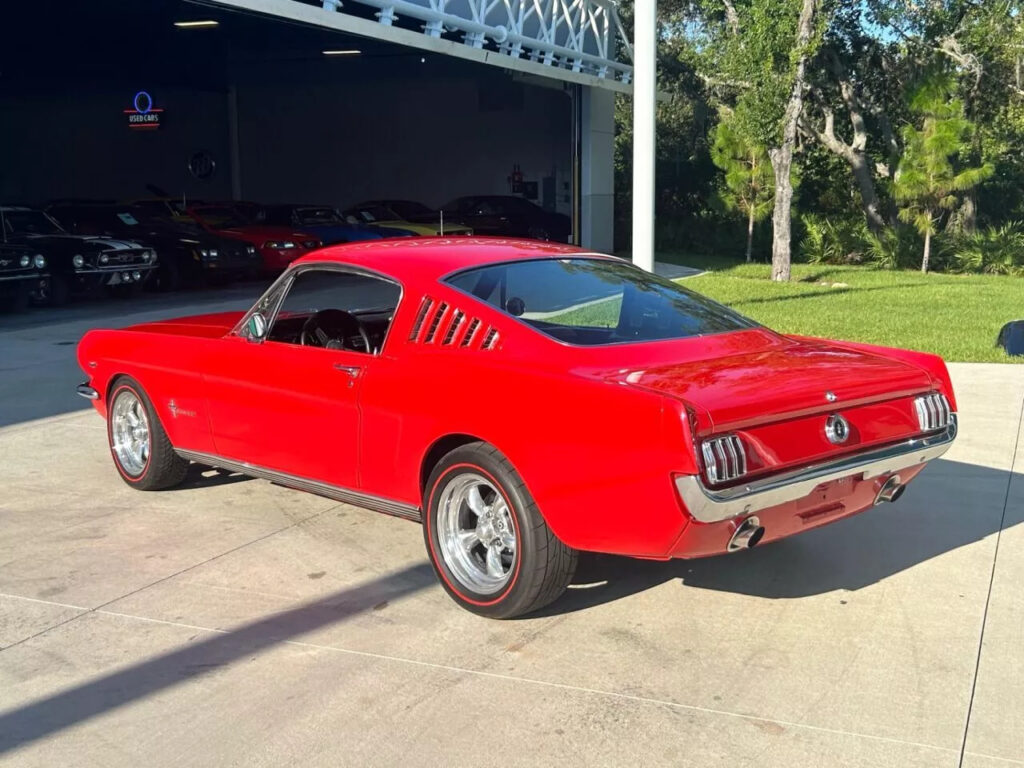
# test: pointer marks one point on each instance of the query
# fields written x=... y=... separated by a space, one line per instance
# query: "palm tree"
x=927 y=182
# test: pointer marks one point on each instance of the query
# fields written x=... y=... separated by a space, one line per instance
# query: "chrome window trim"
x=285 y=280
x=336 y=492
x=707 y=505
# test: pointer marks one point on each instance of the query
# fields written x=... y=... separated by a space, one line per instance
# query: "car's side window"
x=336 y=309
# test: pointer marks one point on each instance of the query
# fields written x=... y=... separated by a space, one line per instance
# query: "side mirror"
x=257 y=327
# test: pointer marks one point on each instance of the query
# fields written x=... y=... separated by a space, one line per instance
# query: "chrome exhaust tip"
x=891 y=490
x=746 y=536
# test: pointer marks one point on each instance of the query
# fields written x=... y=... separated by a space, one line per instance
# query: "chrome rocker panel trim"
x=707 y=505
x=356 y=498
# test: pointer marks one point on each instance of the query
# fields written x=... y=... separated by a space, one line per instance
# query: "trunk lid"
x=780 y=381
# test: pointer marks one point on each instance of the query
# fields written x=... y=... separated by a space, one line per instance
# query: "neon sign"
x=143 y=115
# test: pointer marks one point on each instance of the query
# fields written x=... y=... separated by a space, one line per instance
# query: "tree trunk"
x=868 y=196
x=927 y=250
x=782 y=156
x=750 y=232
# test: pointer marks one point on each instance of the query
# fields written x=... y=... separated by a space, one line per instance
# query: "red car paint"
x=261 y=237
x=600 y=434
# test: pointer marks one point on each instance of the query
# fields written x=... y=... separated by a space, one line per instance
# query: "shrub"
x=993 y=250
x=832 y=240
x=894 y=248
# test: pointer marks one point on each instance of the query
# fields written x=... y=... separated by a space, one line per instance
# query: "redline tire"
x=541 y=566
x=161 y=468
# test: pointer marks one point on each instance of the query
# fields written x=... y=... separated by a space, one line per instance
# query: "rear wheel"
x=142 y=452
x=486 y=538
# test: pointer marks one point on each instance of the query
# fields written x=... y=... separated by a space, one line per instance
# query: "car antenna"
x=442 y=221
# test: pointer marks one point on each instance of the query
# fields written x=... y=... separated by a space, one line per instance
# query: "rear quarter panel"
x=597 y=456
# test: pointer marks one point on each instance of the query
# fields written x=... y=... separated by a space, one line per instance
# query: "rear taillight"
x=725 y=458
x=933 y=412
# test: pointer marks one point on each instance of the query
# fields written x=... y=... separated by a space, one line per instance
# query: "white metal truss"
x=576 y=40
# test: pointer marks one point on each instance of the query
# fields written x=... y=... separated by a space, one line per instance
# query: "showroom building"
x=328 y=103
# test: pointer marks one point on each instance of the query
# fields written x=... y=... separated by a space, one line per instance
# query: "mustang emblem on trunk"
x=837 y=429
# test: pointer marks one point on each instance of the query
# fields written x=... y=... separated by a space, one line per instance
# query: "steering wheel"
x=331 y=328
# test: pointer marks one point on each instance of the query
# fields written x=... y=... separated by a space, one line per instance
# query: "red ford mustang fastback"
x=525 y=401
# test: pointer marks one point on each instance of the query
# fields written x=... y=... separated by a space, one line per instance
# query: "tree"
x=749 y=181
x=927 y=182
x=756 y=55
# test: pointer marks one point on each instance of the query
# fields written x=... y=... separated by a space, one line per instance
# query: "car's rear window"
x=597 y=301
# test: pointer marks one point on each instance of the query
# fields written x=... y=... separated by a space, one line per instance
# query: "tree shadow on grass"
x=812 y=294
x=67 y=708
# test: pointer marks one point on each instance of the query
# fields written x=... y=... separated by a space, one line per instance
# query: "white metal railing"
x=583 y=36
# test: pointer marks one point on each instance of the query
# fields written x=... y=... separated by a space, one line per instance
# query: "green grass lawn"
x=956 y=316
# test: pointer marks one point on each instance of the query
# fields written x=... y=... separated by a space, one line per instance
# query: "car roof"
x=431 y=258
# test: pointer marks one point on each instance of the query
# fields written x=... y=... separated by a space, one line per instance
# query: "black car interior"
x=333 y=309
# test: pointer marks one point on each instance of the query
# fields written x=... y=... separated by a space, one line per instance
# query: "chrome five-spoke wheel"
x=129 y=431
x=476 y=533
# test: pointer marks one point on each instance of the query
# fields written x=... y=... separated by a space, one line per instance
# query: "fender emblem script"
x=175 y=410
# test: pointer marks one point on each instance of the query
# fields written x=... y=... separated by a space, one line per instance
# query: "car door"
x=293 y=407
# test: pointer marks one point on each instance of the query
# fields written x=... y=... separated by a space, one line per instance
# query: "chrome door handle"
x=351 y=370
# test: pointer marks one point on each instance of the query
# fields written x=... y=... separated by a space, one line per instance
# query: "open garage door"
x=122 y=100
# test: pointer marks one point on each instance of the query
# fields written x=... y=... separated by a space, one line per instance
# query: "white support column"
x=597 y=179
x=645 y=88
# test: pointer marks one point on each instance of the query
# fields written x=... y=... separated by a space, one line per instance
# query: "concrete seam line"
x=991 y=582
x=99 y=607
x=547 y=684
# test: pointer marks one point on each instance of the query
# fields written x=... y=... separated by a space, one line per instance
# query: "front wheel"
x=141 y=449
x=486 y=538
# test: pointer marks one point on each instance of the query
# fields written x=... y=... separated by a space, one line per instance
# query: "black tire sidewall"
x=511 y=600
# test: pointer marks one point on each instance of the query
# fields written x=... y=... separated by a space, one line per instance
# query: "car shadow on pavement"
x=950 y=505
x=202 y=476
x=213 y=651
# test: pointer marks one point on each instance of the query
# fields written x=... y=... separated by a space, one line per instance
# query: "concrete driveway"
x=234 y=622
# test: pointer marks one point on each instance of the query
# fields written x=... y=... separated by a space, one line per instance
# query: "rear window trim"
x=584 y=256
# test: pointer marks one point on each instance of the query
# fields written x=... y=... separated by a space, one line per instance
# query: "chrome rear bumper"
x=87 y=392
x=711 y=506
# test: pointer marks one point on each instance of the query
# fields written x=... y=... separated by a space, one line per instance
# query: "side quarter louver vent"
x=474 y=325
x=421 y=315
x=453 y=327
x=435 y=322
x=447 y=326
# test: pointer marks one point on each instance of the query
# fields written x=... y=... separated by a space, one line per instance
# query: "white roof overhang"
x=578 y=41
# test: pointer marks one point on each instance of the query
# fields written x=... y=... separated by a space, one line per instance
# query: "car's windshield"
x=371 y=213
x=220 y=217
x=17 y=222
x=597 y=301
x=314 y=216
x=409 y=209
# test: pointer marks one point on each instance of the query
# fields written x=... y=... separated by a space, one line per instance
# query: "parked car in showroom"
x=378 y=214
x=329 y=226
x=525 y=401
x=22 y=274
x=509 y=216
x=186 y=253
x=278 y=246
x=77 y=264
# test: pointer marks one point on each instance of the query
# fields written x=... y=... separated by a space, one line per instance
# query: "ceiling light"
x=201 y=24
x=343 y=52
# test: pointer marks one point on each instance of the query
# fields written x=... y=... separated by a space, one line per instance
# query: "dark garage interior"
x=262 y=112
